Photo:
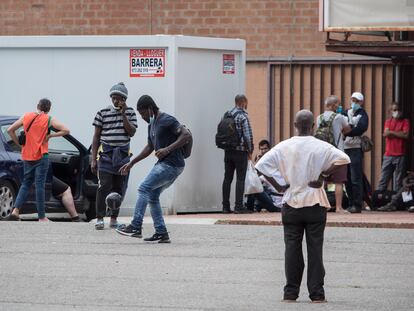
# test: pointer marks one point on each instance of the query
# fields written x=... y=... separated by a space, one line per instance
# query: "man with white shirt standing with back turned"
x=303 y=161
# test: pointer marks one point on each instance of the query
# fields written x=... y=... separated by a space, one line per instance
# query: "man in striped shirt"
x=236 y=159
x=114 y=127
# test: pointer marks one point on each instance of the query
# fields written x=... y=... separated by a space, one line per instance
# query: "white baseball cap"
x=358 y=96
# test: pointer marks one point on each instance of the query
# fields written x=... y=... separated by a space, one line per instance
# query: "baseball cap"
x=358 y=96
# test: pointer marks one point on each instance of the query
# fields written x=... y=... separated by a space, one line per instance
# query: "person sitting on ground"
x=263 y=200
x=399 y=200
x=62 y=191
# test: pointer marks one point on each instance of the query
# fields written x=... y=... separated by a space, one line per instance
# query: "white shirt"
x=353 y=142
x=299 y=160
x=338 y=124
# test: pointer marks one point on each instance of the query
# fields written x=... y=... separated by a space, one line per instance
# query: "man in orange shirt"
x=35 y=154
x=396 y=130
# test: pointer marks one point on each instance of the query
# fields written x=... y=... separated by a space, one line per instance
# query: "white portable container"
x=193 y=78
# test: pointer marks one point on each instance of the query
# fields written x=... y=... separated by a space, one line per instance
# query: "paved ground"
x=366 y=219
x=69 y=266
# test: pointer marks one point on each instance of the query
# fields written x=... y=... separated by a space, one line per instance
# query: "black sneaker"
x=160 y=237
x=129 y=231
x=227 y=211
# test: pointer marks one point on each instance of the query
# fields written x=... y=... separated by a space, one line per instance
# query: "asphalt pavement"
x=70 y=266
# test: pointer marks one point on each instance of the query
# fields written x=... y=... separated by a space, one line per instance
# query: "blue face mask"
x=339 y=109
x=355 y=106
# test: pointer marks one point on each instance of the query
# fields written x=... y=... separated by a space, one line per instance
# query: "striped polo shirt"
x=110 y=121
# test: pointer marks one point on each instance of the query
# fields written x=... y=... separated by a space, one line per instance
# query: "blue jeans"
x=160 y=178
x=34 y=171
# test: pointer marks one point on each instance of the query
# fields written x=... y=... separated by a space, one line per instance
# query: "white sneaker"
x=99 y=224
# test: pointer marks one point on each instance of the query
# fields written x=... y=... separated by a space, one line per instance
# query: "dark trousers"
x=264 y=202
x=108 y=183
x=354 y=185
x=296 y=221
x=234 y=161
x=397 y=200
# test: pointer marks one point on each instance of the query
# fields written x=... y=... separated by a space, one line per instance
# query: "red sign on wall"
x=229 y=63
x=147 y=62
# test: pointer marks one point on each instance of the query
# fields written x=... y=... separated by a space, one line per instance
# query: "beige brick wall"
x=271 y=27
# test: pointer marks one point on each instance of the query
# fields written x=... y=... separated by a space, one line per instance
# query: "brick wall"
x=270 y=27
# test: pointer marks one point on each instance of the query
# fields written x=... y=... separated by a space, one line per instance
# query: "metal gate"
x=305 y=84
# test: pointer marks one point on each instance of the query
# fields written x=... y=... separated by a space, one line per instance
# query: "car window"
x=56 y=144
x=9 y=141
x=60 y=144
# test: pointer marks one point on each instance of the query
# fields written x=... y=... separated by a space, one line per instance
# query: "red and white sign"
x=147 y=62
x=229 y=64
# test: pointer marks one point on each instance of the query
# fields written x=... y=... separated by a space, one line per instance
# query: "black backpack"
x=188 y=146
x=227 y=136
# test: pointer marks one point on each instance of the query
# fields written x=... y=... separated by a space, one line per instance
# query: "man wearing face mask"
x=334 y=121
x=358 y=120
x=167 y=137
x=114 y=127
x=396 y=131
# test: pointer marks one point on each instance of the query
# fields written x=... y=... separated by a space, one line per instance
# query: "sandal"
x=12 y=217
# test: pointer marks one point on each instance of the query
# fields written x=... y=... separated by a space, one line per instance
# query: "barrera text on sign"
x=147 y=62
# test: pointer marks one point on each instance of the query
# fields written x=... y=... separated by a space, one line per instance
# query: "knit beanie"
x=119 y=89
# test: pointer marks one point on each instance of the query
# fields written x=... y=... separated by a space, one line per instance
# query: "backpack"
x=188 y=146
x=227 y=136
x=325 y=131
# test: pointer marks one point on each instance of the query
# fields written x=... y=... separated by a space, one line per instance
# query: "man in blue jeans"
x=358 y=121
x=167 y=137
x=35 y=154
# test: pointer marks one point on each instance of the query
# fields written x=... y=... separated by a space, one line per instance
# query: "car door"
x=71 y=163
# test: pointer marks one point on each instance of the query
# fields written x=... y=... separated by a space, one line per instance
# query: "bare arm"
x=275 y=184
x=62 y=130
x=95 y=145
x=12 y=130
x=346 y=129
x=129 y=128
x=319 y=183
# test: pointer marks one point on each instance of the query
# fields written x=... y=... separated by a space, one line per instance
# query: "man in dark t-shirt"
x=167 y=137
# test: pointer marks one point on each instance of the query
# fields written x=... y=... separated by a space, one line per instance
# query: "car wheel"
x=7 y=198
